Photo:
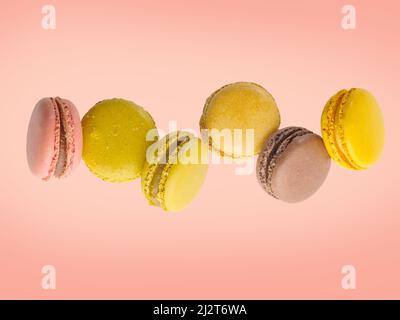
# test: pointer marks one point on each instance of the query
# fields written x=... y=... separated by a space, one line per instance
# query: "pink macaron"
x=54 y=140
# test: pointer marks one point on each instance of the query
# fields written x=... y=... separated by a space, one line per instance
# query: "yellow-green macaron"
x=353 y=129
x=175 y=170
x=238 y=118
x=115 y=139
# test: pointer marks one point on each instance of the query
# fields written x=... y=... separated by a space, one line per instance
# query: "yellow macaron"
x=175 y=169
x=238 y=118
x=353 y=129
x=115 y=139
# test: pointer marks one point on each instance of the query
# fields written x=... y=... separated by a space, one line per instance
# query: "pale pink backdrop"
x=234 y=241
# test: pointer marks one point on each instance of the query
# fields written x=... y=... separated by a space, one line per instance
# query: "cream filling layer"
x=66 y=140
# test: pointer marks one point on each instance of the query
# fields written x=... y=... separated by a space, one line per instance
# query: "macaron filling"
x=62 y=153
x=65 y=147
x=57 y=130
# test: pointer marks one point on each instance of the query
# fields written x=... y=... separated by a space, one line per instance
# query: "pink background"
x=234 y=241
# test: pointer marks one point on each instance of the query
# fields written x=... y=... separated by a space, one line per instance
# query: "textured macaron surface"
x=115 y=139
x=241 y=106
x=173 y=180
x=353 y=129
x=293 y=164
x=54 y=138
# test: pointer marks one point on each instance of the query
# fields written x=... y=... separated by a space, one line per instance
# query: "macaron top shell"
x=54 y=138
x=353 y=128
x=183 y=184
x=243 y=106
x=43 y=138
x=115 y=139
x=293 y=164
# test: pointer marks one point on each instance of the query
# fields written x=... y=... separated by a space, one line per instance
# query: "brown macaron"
x=293 y=164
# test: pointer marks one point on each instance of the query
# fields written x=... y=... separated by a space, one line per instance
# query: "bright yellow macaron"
x=353 y=129
x=175 y=169
x=238 y=118
x=115 y=139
